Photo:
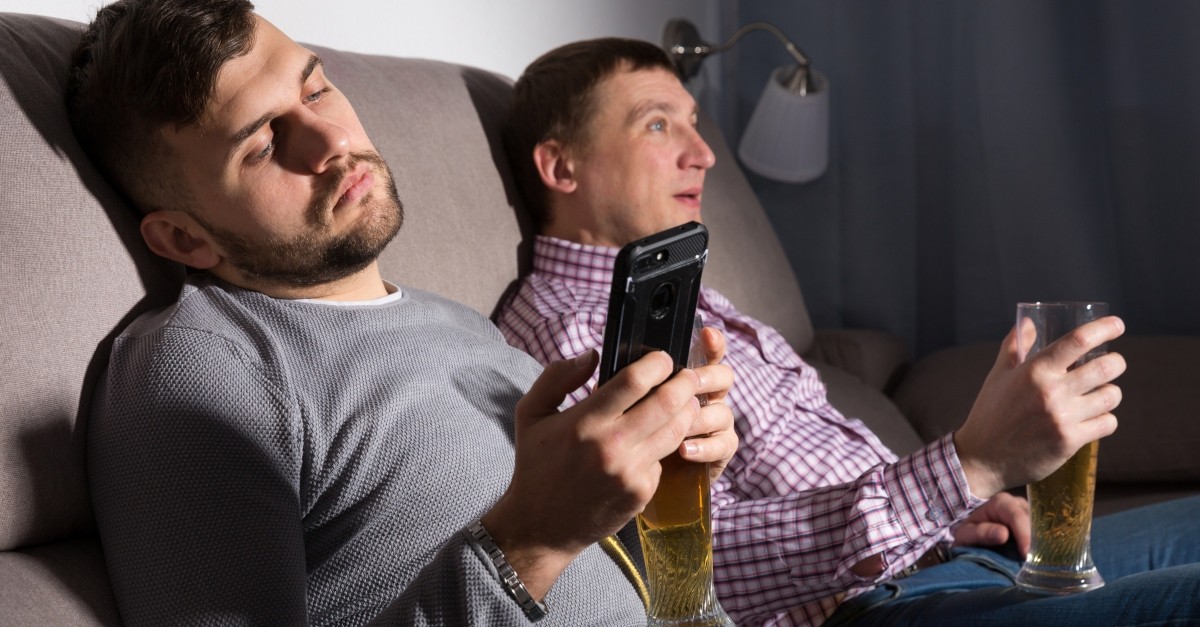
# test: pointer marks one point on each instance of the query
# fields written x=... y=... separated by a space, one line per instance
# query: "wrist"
x=537 y=564
x=533 y=608
x=983 y=479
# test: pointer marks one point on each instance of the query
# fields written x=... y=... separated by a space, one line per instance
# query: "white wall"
x=499 y=35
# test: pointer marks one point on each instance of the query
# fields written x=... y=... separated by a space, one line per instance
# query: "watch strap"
x=534 y=610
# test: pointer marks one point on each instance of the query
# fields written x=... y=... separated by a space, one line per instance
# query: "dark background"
x=985 y=153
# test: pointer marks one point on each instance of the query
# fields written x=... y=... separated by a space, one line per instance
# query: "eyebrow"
x=646 y=106
x=250 y=129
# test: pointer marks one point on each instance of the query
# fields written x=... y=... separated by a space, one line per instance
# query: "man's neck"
x=366 y=284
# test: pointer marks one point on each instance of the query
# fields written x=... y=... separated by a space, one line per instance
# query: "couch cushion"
x=63 y=583
x=855 y=399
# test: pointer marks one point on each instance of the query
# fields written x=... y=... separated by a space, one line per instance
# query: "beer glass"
x=676 y=535
x=1060 y=555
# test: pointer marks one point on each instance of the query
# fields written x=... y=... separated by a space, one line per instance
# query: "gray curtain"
x=985 y=153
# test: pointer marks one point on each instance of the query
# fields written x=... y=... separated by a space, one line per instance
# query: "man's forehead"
x=632 y=93
x=274 y=61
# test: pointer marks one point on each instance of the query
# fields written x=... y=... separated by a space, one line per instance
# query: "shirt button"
x=935 y=515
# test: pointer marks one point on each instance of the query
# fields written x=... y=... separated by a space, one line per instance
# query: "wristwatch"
x=534 y=611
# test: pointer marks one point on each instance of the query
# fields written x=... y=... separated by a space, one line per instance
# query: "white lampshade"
x=787 y=138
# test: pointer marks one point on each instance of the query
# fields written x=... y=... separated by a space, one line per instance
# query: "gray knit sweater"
x=263 y=461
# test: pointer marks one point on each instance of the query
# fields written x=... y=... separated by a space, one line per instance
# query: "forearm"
x=805 y=545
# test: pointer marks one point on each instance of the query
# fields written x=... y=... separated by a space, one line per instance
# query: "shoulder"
x=211 y=343
x=540 y=299
x=551 y=320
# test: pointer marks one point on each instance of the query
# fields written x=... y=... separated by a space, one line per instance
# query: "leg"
x=975 y=589
x=1149 y=557
x=1147 y=538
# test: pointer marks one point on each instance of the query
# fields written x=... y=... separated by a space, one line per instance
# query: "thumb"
x=1016 y=344
x=552 y=386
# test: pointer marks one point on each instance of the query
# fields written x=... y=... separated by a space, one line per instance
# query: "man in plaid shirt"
x=815 y=520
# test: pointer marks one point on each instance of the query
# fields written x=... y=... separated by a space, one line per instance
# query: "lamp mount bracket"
x=687 y=50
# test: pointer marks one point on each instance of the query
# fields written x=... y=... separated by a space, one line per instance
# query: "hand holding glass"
x=1060 y=555
x=676 y=534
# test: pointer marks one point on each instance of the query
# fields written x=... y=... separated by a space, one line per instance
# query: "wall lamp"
x=787 y=138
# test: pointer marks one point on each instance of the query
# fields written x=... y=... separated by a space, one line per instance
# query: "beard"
x=319 y=256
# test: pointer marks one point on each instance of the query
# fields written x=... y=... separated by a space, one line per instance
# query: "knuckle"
x=677 y=429
x=1108 y=368
x=638 y=379
x=522 y=408
x=1040 y=377
x=1110 y=396
x=1078 y=340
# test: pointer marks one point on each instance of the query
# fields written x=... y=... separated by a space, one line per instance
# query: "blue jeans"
x=1149 y=558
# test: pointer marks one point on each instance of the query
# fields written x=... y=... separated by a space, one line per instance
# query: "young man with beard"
x=815 y=520
x=297 y=441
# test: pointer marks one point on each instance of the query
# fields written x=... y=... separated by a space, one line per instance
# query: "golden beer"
x=1060 y=556
x=676 y=535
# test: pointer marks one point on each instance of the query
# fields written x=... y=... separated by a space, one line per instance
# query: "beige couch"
x=74 y=272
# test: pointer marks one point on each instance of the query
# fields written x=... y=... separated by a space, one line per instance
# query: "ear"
x=554 y=166
x=178 y=237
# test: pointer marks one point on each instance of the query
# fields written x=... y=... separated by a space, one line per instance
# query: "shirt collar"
x=574 y=262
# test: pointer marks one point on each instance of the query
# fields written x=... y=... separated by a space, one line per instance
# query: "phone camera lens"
x=661 y=300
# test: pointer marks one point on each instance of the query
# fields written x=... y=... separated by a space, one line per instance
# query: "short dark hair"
x=553 y=99
x=140 y=66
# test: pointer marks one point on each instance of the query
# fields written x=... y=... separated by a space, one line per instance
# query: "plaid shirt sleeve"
x=809 y=493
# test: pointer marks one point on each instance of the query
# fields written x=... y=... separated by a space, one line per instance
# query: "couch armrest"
x=878 y=358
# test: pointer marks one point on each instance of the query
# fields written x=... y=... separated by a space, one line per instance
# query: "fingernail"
x=690 y=448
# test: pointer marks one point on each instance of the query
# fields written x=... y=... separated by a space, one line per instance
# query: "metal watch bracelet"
x=534 y=610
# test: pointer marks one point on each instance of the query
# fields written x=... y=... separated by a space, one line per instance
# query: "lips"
x=355 y=185
x=690 y=196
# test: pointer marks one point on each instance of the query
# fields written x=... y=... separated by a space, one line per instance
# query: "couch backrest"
x=73 y=270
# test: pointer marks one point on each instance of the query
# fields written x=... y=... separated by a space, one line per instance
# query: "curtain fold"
x=989 y=152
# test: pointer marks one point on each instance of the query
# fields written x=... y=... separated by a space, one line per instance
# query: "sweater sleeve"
x=193 y=459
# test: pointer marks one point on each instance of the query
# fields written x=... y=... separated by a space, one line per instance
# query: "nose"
x=317 y=142
x=697 y=154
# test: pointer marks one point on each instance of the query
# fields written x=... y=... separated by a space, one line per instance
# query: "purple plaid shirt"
x=809 y=492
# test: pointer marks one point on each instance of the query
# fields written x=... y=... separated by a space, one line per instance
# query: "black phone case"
x=652 y=306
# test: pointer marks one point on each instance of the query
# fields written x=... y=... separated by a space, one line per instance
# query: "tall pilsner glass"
x=1060 y=556
x=676 y=534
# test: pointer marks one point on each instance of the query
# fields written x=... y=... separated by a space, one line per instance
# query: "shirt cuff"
x=929 y=490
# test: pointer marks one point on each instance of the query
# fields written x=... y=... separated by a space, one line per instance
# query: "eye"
x=316 y=96
x=658 y=125
x=263 y=154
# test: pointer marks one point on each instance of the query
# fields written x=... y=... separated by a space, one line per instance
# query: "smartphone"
x=652 y=305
